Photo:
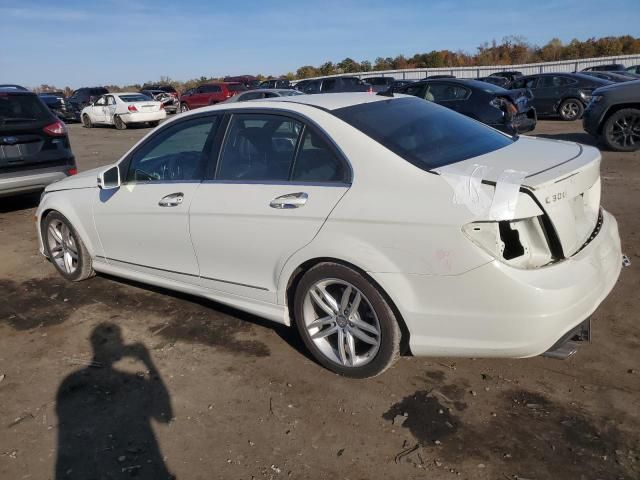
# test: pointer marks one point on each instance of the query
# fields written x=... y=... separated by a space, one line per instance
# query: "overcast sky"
x=82 y=43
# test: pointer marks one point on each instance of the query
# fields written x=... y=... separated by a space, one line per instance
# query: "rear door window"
x=328 y=85
x=258 y=147
x=317 y=162
x=446 y=92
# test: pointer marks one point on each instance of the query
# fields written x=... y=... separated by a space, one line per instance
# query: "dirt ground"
x=152 y=383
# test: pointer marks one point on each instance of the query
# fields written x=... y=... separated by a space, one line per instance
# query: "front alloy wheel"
x=345 y=321
x=621 y=131
x=65 y=249
x=571 y=109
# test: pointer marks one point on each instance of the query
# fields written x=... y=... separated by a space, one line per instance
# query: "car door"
x=110 y=109
x=448 y=95
x=275 y=183
x=98 y=109
x=547 y=93
x=144 y=225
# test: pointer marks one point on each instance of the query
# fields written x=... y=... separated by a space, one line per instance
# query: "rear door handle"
x=291 y=200
x=171 y=200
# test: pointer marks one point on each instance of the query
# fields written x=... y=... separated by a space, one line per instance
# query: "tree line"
x=511 y=50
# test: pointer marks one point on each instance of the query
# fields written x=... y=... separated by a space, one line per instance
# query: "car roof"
x=462 y=81
x=8 y=88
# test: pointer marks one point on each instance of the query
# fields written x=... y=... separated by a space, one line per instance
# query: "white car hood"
x=86 y=179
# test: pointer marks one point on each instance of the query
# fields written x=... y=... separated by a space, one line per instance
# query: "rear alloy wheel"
x=346 y=322
x=184 y=107
x=86 y=121
x=65 y=249
x=120 y=125
x=571 y=109
x=621 y=131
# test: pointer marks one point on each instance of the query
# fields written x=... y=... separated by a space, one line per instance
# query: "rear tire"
x=571 y=109
x=86 y=121
x=119 y=124
x=346 y=322
x=65 y=249
x=154 y=124
x=621 y=131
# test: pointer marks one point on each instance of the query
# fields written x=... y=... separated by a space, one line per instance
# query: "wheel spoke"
x=356 y=302
x=55 y=234
x=360 y=335
x=342 y=354
x=326 y=332
x=320 y=322
x=344 y=301
x=362 y=325
x=324 y=300
x=68 y=262
x=351 y=348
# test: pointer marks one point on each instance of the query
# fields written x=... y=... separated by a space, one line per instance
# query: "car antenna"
x=386 y=93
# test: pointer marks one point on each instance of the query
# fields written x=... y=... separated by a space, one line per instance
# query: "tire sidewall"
x=389 y=328
x=86 y=121
x=119 y=123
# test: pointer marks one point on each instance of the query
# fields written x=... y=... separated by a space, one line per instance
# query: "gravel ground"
x=153 y=384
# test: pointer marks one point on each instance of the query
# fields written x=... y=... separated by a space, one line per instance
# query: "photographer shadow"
x=104 y=415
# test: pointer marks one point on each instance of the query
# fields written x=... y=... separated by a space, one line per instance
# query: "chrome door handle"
x=171 y=200
x=291 y=200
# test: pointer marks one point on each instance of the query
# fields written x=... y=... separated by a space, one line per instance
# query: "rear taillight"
x=56 y=129
x=370 y=90
x=132 y=108
x=72 y=171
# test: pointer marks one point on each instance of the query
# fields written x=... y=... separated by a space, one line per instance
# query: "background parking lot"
x=243 y=400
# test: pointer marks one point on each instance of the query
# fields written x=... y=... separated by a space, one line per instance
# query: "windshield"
x=16 y=109
x=135 y=98
x=423 y=133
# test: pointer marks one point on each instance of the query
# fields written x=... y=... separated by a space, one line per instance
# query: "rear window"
x=98 y=91
x=16 y=109
x=134 y=98
x=427 y=135
x=238 y=87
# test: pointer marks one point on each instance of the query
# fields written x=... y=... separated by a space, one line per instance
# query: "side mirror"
x=109 y=178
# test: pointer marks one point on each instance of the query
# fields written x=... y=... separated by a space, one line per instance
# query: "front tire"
x=86 y=121
x=119 y=124
x=571 y=109
x=184 y=107
x=65 y=249
x=345 y=321
x=621 y=131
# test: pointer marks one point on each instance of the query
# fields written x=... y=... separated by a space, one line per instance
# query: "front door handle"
x=291 y=200
x=171 y=200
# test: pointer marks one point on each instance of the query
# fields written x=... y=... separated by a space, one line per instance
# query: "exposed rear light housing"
x=56 y=129
x=72 y=171
x=132 y=108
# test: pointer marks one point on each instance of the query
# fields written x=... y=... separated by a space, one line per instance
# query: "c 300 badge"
x=556 y=197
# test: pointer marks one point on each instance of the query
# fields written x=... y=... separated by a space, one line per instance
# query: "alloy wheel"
x=570 y=110
x=62 y=246
x=625 y=131
x=341 y=322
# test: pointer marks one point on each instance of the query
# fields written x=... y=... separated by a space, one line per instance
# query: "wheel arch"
x=300 y=270
x=613 y=109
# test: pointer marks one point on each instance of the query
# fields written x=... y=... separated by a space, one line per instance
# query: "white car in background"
x=369 y=222
x=122 y=109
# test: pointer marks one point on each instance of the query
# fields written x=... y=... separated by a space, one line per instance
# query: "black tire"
x=571 y=109
x=390 y=334
x=154 y=124
x=621 y=131
x=86 y=121
x=118 y=123
x=84 y=268
x=184 y=107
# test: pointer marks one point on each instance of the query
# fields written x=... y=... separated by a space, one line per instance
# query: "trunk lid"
x=564 y=178
x=147 y=106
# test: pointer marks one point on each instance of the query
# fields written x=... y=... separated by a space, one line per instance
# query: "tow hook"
x=626 y=262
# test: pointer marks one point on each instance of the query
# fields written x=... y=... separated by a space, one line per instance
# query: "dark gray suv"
x=613 y=115
x=34 y=145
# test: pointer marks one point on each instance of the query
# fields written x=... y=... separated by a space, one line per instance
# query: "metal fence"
x=475 y=72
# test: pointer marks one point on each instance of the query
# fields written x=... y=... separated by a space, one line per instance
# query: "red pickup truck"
x=209 y=94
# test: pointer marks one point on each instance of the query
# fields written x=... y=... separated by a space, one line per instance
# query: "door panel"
x=242 y=242
x=135 y=229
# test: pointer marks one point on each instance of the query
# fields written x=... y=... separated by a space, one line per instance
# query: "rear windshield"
x=16 y=109
x=134 y=98
x=423 y=133
x=238 y=87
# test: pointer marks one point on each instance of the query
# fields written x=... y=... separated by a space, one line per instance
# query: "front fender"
x=77 y=206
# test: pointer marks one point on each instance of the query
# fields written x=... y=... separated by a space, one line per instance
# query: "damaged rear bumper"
x=500 y=311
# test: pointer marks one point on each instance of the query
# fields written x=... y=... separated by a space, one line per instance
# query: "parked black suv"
x=564 y=94
x=83 y=97
x=507 y=110
x=336 y=85
x=34 y=146
x=613 y=115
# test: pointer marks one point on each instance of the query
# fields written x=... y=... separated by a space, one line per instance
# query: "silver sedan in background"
x=263 y=93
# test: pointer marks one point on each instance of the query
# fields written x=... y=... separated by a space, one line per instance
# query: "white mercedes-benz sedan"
x=122 y=109
x=372 y=223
